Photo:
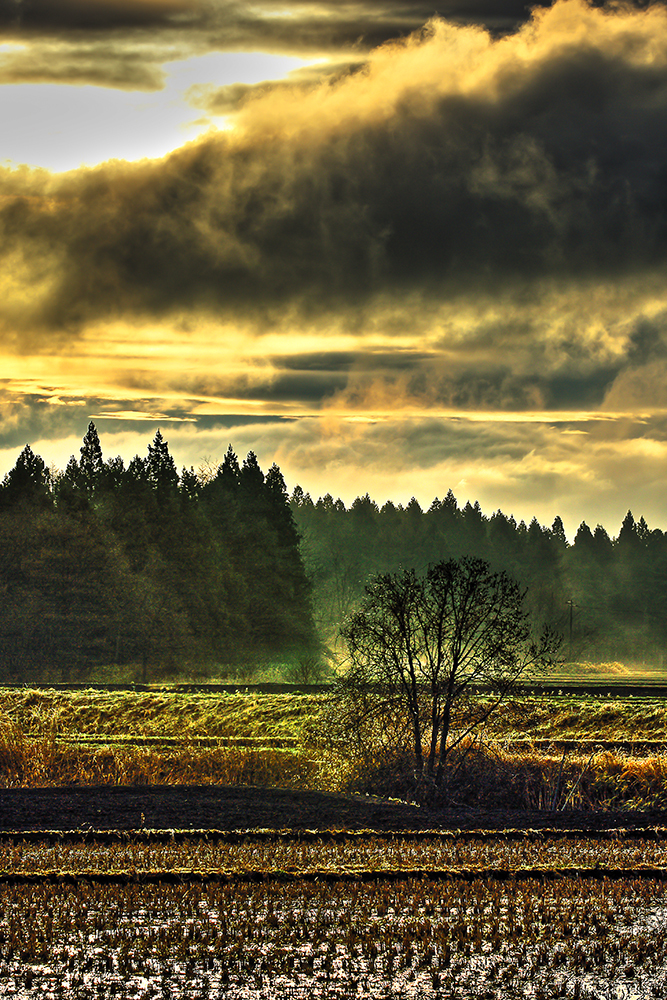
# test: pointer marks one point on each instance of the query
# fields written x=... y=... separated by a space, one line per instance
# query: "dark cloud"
x=65 y=16
x=648 y=342
x=27 y=416
x=584 y=391
x=487 y=388
x=326 y=204
x=337 y=361
x=305 y=387
x=87 y=41
x=223 y=421
x=187 y=27
x=321 y=361
x=96 y=64
x=279 y=384
x=374 y=21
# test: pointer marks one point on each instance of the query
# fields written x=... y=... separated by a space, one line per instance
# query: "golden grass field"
x=540 y=751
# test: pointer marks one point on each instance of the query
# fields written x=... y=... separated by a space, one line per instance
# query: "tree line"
x=112 y=564
x=108 y=564
x=607 y=596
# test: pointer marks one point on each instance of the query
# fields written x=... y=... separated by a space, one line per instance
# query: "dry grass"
x=527 y=778
x=159 y=714
x=28 y=761
x=298 y=856
x=581 y=719
x=42 y=743
x=281 y=716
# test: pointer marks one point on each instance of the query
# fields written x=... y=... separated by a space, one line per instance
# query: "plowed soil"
x=245 y=808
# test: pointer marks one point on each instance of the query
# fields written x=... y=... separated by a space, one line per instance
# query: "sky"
x=394 y=251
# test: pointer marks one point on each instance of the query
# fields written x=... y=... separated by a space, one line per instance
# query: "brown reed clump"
x=494 y=776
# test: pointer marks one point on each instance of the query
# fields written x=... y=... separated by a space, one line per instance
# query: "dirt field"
x=243 y=807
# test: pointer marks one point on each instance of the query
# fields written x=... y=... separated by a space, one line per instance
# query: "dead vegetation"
x=457 y=939
x=339 y=915
x=394 y=855
x=46 y=761
x=541 y=754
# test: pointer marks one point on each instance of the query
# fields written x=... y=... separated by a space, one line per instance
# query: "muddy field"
x=229 y=808
x=251 y=918
x=125 y=898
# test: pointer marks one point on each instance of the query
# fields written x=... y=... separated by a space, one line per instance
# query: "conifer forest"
x=105 y=564
x=607 y=596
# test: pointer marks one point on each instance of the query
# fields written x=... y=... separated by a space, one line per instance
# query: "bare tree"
x=431 y=658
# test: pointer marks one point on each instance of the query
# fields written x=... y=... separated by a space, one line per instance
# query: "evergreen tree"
x=325 y=504
x=583 y=540
x=151 y=571
x=28 y=482
x=291 y=587
x=161 y=469
x=69 y=492
x=414 y=510
x=501 y=534
x=113 y=474
x=603 y=549
x=229 y=473
x=90 y=463
x=135 y=520
x=450 y=508
x=628 y=541
x=220 y=498
x=558 y=534
x=251 y=482
x=301 y=499
x=189 y=485
x=473 y=529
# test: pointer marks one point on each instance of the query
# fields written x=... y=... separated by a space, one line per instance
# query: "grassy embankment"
x=541 y=751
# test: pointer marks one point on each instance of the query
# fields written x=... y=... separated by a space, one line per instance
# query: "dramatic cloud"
x=454 y=165
x=437 y=261
x=125 y=44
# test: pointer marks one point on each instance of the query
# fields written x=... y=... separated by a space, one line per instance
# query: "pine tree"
x=229 y=473
x=628 y=540
x=69 y=492
x=299 y=499
x=583 y=540
x=604 y=549
x=90 y=463
x=113 y=474
x=189 y=485
x=558 y=534
x=161 y=468
x=28 y=482
x=251 y=480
